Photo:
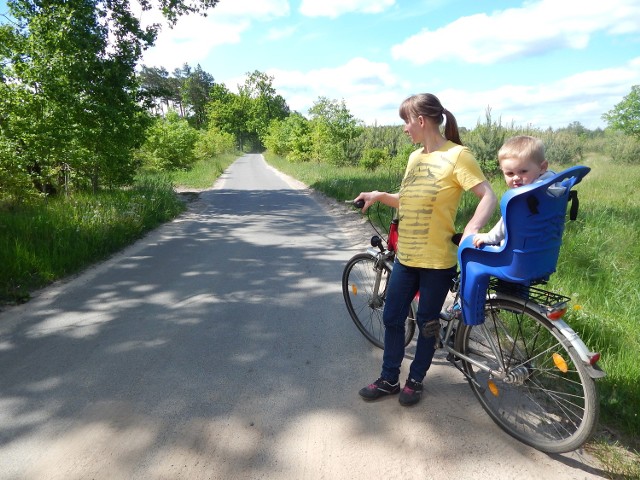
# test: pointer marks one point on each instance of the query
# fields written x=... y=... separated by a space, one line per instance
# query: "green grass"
x=203 y=173
x=46 y=239
x=599 y=268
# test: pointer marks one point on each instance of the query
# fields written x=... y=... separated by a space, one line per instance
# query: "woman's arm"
x=390 y=199
x=484 y=210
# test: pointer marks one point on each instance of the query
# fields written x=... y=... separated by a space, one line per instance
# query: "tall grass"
x=43 y=240
x=599 y=266
x=204 y=172
x=47 y=239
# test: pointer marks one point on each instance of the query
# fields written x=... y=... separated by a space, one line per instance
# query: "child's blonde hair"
x=522 y=146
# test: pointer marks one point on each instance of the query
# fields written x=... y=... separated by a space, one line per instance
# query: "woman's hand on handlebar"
x=365 y=200
x=390 y=199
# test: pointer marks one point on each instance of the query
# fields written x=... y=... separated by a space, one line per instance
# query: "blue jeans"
x=405 y=282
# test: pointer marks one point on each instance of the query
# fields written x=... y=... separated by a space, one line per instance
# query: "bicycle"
x=529 y=370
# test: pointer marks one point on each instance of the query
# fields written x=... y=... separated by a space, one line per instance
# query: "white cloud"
x=279 y=33
x=370 y=90
x=372 y=93
x=335 y=8
x=581 y=97
x=262 y=10
x=535 y=28
x=194 y=36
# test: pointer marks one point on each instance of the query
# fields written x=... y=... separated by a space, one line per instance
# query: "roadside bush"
x=169 y=145
x=623 y=149
x=562 y=148
x=372 y=158
x=213 y=142
x=290 y=138
x=15 y=183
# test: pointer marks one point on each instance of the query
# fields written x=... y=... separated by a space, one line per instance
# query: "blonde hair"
x=522 y=146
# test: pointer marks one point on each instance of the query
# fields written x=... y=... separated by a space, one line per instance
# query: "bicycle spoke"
x=540 y=392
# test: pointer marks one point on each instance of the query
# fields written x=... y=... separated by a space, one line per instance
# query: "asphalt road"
x=219 y=347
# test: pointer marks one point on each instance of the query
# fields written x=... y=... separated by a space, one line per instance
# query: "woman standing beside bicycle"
x=435 y=177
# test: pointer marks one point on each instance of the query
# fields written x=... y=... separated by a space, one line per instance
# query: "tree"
x=290 y=138
x=229 y=112
x=194 y=90
x=170 y=144
x=68 y=92
x=334 y=132
x=625 y=116
x=247 y=114
x=265 y=105
x=156 y=89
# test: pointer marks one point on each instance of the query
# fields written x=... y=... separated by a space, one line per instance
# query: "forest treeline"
x=77 y=114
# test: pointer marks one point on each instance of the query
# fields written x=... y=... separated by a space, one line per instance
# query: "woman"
x=435 y=177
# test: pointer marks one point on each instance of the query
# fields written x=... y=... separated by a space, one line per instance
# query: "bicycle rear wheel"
x=540 y=392
x=364 y=287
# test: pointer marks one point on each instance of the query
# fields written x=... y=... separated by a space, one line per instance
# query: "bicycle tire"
x=366 y=306
x=551 y=403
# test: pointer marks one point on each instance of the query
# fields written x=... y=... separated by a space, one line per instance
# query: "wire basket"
x=533 y=294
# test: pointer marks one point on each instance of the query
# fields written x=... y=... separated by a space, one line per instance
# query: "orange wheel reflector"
x=493 y=388
x=560 y=363
x=354 y=289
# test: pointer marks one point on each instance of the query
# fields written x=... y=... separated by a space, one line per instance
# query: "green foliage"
x=485 y=141
x=41 y=241
x=213 y=142
x=203 y=173
x=169 y=145
x=562 y=148
x=625 y=116
x=334 y=131
x=68 y=92
x=623 y=149
x=229 y=113
x=390 y=138
x=290 y=138
x=264 y=104
x=372 y=158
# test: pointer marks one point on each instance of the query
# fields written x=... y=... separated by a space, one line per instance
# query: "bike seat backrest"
x=534 y=217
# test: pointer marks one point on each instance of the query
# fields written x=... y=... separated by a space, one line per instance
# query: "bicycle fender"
x=581 y=349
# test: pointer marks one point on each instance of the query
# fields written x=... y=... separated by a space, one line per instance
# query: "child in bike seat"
x=522 y=162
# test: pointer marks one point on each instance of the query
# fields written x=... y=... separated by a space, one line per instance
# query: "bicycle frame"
x=531 y=372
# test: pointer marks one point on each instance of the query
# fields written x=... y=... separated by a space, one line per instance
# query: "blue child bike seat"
x=534 y=217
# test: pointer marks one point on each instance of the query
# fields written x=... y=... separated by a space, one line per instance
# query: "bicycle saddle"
x=534 y=217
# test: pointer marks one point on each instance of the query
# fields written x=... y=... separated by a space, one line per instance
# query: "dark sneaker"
x=411 y=393
x=378 y=389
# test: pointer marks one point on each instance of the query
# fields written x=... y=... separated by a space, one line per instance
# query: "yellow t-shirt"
x=429 y=196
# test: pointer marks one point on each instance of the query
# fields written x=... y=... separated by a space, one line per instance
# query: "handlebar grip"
x=456 y=238
x=358 y=204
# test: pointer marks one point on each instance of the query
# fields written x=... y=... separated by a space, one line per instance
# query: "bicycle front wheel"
x=539 y=390
x=364 y=287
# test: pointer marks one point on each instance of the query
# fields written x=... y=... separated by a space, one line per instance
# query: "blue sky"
x=541 y=62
